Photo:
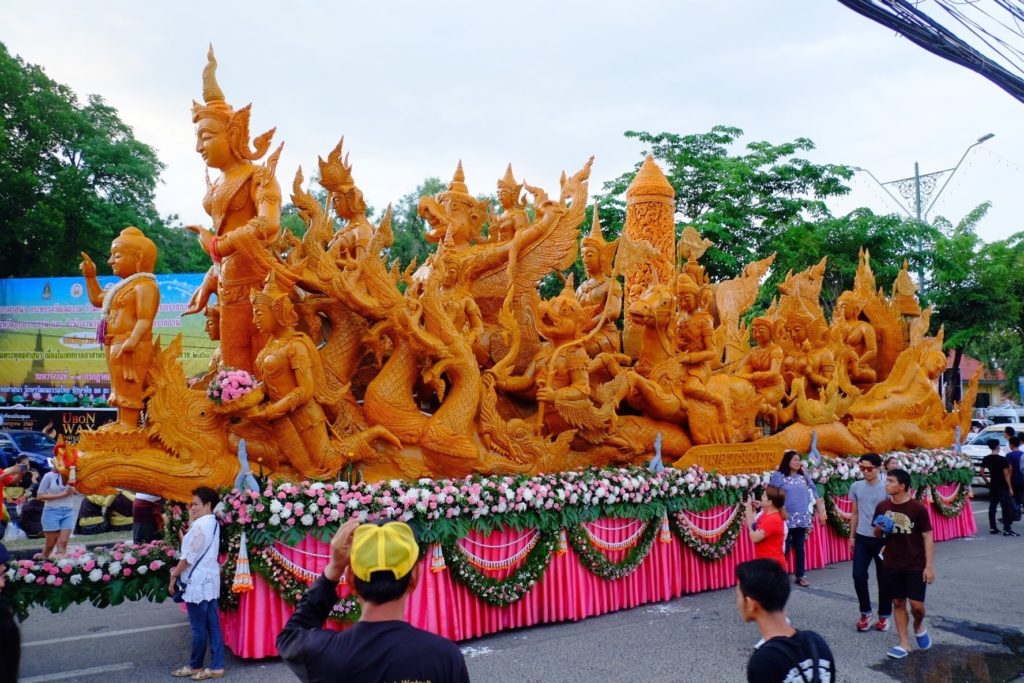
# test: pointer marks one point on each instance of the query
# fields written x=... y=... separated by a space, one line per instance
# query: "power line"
x=917 y=26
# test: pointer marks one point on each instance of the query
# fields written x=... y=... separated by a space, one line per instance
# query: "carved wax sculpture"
x=650 y=217
x=456 y=366
x=126 y=323
x=245 y=205
x=513 y=216
x=600 y=291
x=762 y=367
x=353 y=238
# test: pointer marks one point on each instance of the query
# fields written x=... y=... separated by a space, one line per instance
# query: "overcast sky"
x=415 y=86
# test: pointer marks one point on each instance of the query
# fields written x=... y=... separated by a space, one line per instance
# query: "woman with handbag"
x=802 y=500
x=195 y=580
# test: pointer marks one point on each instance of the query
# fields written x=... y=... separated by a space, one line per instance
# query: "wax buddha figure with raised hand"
x=600 y=291
x=126 y=323
x=245 y=205
x=297 y=393
x=762 y=367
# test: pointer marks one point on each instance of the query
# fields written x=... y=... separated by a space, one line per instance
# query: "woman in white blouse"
x=199 y=568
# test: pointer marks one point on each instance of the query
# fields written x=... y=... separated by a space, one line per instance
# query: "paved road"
x=975 y=624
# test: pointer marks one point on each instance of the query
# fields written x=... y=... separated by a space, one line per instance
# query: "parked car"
x=1005 y=413
x=38 y=446
x=976 y=446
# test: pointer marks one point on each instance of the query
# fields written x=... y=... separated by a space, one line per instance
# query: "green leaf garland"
x=599 y=565
x=955 y=507
x=501 y=592
x=709 y=551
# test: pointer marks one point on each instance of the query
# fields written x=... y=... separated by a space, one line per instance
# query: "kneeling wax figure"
x=380 y=562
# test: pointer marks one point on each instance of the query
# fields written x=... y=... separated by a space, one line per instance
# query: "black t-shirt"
x=782 y=660
x=995 y=464
x=370 y=652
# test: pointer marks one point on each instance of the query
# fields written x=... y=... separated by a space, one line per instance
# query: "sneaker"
x=1010 y=532
x=924 y=641
x=896 y=652
x=882 y=624
x=993 y=531
x=864 y=623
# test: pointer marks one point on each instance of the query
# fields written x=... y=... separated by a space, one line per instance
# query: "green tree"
x=742 y=202
x=178 y=250
x=970 y=286
x=72 y=175
x=889 y=239
x=409 y=229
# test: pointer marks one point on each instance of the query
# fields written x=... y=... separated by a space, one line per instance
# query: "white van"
x=1005 y=413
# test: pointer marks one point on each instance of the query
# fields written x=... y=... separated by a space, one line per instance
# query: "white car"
x=976 y=446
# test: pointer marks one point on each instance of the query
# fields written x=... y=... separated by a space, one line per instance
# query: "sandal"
x=185 y=672
x=207 y=674
x=803 y=583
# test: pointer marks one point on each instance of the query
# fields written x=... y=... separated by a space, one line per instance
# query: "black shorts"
x=906 y=584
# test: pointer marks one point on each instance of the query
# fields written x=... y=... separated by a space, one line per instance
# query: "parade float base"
x=644 y=561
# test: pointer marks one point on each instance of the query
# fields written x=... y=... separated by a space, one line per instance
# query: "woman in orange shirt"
x=768 y=532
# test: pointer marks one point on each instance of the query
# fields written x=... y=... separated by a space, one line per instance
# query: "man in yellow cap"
x=380 y=562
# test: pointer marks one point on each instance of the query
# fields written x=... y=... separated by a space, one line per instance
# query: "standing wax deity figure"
x=126 y=322
x=245 y=205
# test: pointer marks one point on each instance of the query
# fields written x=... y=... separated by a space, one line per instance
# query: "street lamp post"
x=919 y=188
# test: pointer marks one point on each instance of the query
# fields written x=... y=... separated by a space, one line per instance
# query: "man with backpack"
x=786 y=655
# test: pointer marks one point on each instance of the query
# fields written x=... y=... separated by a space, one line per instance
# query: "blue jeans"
x=797 y=539
x=205 y=622
x=865 y=549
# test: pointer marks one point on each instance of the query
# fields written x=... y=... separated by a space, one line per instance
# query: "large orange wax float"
x=458 y=366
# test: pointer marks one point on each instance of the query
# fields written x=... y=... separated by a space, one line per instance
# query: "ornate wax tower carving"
x=650 y=216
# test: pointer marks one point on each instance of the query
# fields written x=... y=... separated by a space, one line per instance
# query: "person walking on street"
x=801 y=498
x=908 y=558
x=1000 y=489
x=381 y=566
x=768 y=532
x=784 y=655
x=200 y=568
x=865 y=495
x=1014 y=457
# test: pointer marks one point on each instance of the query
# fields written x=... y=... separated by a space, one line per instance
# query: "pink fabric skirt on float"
x=568 y=591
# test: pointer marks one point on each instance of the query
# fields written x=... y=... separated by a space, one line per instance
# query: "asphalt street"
x=975 y=617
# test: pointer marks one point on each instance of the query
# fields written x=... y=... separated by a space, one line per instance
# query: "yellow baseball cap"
x=391 y=547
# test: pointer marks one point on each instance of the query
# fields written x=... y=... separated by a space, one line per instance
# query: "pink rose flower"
x=58 y=581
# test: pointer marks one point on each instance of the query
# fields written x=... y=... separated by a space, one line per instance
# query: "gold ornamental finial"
x=458 y=183
x=508 y=181
x=211 y=89
x=336 y=172
x=686 y=284
x=650 y=183
x=596 y=237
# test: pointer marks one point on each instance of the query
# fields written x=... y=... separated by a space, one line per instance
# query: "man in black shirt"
x=381 y=565
x=1000 y=489
x=786 y=655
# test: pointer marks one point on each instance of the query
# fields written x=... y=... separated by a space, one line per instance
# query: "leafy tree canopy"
x=72 y=175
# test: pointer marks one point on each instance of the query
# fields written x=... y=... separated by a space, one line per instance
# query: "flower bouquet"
x=234 y=390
